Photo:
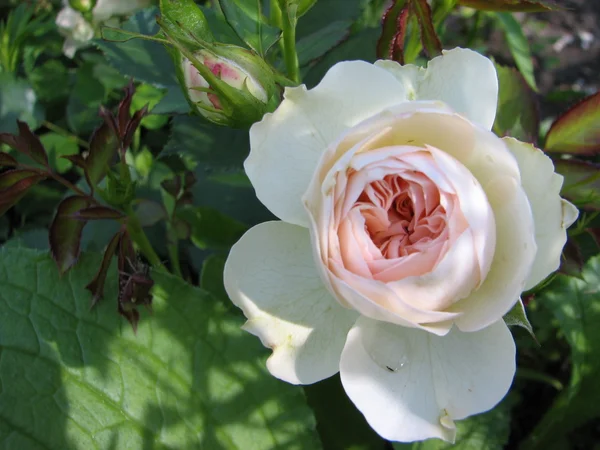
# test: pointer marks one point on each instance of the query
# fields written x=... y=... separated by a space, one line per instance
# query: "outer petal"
x=513 y=258
x=287 y=144
x=462 y=78
x=270 y=274
x=411 y=385
x=551 y=214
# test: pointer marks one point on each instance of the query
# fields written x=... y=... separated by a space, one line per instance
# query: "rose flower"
x=408 y=229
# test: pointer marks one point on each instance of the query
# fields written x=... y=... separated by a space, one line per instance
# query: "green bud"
x=82 y=6
x=229 y=85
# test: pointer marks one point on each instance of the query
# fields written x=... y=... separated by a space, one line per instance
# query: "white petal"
x=551 y=214
x=287 y=144
x=411 y=385
x=513 y=257
x=271 y=275
x=462 y=78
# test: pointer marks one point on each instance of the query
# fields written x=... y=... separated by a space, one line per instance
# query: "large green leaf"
x=576 y=305
x=79 y=379
x=246 y=18
x=141 y=59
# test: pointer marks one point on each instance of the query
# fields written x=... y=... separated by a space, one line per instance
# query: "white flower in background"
x=78 y=31
x=408 y=229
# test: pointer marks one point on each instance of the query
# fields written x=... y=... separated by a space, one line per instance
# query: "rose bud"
x=229 y=85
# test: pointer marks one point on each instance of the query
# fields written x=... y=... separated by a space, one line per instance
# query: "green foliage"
x=74 y=378
x=576 y=305
x=18 y=101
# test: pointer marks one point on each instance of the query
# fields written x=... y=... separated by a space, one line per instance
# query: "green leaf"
x=50 y=81
x=246 y=19
x=57 y=146
x=511 y=5
x=518 y=317
x=203 y=142
x=146 y=94
x=577 y=130
x=518 y=46
x=325 y=12
x=18 y=101
x=576 y=305
x=142 y=60
x=315 y=45
x=211 y=228
x=340 y=425
x=518 y=110
x=211 y=277
x=79 y=379
x=487 y=431
x=85 y=100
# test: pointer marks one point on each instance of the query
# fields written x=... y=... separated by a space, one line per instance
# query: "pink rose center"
x=388 y=207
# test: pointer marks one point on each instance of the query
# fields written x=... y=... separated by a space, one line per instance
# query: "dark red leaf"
x=511 y=5
x=124 y=115
x=581 y=182
x=98 y=213
x=14 y=184
x=129 y=311
x=578 y=130
x=27 y=143
x=429 y=38
x=96 y=286
x=110 y=120
x=7 y=161
x=132 y=126
x=172 y=186
x=399 y=37
x=103 y=150
x=389 y=28
x=65 y=232
x=189 y=179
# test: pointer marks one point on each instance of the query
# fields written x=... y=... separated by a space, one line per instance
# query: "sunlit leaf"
x=518 y=109
x=518 y=46
x=578 y=130
x=189 y=379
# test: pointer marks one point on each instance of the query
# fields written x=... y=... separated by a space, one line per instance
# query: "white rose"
x=408 y=229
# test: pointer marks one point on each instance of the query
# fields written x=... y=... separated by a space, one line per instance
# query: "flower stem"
x=140 y=239
x=288 y=25
x=173 y=248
